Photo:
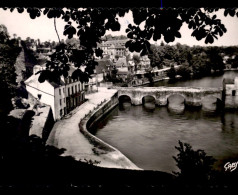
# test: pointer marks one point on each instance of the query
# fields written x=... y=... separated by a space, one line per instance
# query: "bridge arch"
x=148 y=98
x=124 y=98
x=175 y=94
x=217 y=100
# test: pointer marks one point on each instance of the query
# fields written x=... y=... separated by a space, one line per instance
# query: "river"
x=148 y=134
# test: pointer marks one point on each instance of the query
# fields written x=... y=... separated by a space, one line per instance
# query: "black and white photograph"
x=119 y=99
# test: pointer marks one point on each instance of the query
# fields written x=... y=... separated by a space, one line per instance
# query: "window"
x=72 y=89
x=61 y=112
x=60 y=102
x=233 y=92
x=59 y=91
x=64 y=100
x=79 y=87
x=69 y=91
x=63 y=90
x=75 y=88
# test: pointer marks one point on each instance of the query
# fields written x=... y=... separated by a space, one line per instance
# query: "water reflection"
x=148 y=137
x=176 y=104
x=148 y=103
x=209 y=104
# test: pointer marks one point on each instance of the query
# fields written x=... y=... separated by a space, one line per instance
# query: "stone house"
x=63 y=96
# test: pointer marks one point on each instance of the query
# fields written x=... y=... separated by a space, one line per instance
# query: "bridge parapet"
x=193 y=96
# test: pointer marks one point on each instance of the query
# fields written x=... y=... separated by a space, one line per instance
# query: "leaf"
x=130 y=35
x=156 y=36
x=196 y=19
x=209 y=39
x=128 y=30
x=231 y=12
x=128 y=43
x=115 y=26
x=44 y=75
x=98 y=52
x=45 y=11
x=69 y=30
x=143 y=52
x=20 y=10
x=215 y=36
x=225 y=12
x=177 y=34
x=194 y=33
x=220 y=32
x=137 y=46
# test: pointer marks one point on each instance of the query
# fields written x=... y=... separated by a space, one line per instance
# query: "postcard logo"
x=231 y=166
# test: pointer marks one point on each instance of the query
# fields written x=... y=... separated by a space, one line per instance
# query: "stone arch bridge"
x=193 y=96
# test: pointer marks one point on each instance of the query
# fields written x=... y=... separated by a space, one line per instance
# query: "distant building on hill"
x=114 y=47
x=63 y=96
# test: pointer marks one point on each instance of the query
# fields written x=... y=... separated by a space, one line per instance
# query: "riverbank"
x=65 y=134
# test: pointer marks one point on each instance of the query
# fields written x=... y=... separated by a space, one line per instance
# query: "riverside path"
x=65 y=134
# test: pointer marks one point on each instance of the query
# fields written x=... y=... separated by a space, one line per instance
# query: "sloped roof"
x=102 y=65
x=121 y=62
x=33 y=80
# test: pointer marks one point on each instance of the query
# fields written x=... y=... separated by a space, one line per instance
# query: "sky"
x=43 y=28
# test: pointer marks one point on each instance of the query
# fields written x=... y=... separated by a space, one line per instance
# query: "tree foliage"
x=92 y=24
x=155 y=57
x=184 y=71
x=4 y=35
x=215 y=59
x=172 y=72
x=9 y=51
x=195 y=166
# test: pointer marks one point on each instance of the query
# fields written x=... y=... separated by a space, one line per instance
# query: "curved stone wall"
x=91 y=119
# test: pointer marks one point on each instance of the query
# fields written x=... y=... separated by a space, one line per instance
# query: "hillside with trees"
x=197 y=61
x=9 y=50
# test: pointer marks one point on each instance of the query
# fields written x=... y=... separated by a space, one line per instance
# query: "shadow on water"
x=148 y=103
x=176 y=104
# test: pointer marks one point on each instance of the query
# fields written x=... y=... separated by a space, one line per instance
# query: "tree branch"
x=56 y=29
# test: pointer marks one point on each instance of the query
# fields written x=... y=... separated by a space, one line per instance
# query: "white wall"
x=236 y=83
x=52 y=96
x=229 y=88
x=46 y=90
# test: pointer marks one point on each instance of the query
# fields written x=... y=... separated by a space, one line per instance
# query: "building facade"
x=62 y=97
x=114 y=47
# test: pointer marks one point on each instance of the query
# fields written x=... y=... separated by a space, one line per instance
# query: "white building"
x=230 y=86
x=62 y=97
x=114 y=47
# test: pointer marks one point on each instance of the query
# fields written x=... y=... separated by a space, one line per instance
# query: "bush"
x=184 y=71
x=195 y=166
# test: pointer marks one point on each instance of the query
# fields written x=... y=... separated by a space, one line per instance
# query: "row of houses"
x=63 y=96
x=67 y=94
